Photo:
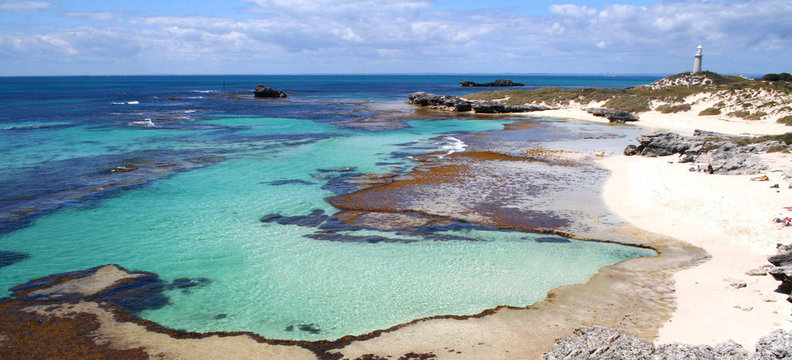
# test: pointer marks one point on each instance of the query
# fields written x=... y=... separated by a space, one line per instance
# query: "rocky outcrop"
x=614 y=116
x=723 y=154
x=496 y=83
x=263 y=91
x=455 y=103
x=603 y=343
x=440 y=102
x=782 y=268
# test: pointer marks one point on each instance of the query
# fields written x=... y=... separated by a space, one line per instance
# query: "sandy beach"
x=730 y=217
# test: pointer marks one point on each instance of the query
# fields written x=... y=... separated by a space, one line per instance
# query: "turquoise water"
x=266 y=277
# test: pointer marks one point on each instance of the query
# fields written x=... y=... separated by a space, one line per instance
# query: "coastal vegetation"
x=710 y=111
x=734 y=96
x=777 y=77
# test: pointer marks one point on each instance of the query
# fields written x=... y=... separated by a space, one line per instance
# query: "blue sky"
x=91 y=37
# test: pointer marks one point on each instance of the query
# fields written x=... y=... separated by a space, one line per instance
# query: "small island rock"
x=263 y=91
x=496 y=83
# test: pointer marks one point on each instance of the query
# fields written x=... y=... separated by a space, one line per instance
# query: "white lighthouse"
x=697 y=63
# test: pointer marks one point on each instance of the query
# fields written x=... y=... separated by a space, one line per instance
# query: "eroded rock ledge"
x=455 y=103
x=723 y=153
x=602 y=343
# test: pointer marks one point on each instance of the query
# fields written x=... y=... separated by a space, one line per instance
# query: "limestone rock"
x=782 y=268
x=720 y=152
x=614 y=116
x=600 y=343
x=775 y=346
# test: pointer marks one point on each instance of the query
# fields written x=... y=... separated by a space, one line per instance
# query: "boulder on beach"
x=722 y=152
x=263 y=91
x=603 y=343
x=614 y=116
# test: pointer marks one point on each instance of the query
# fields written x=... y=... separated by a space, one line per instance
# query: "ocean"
x=172 y=174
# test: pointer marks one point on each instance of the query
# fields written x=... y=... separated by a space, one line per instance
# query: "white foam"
x=452 y=145
x=143 y=123
x=133 y=102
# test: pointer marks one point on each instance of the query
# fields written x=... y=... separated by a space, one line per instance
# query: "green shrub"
x=756 y=115
x=777 y=77
x=778 y=148
x=747 y=115
x=629 y=103
x=669 y=109
x=786 y=120
x=710 y=111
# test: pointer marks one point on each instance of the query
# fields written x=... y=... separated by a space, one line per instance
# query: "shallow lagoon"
x=268 y=278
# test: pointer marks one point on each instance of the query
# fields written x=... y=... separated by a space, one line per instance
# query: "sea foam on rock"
x=603 y=343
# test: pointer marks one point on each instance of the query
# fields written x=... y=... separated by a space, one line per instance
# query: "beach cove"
x=461 y=190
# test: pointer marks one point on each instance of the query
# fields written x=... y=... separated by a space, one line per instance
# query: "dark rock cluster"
x=454 y=103
x=721 y=152
x=263 y=91
x=782 y=268
x=597 y=342
x=614 y=116
x=496 y=83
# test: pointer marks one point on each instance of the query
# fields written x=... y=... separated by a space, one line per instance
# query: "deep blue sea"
x=171 y=174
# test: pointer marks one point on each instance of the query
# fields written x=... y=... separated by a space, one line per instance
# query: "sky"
x=123 y=37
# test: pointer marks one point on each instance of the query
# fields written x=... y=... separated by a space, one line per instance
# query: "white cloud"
x=96 y=15
x=26 y=6
x=409 y=36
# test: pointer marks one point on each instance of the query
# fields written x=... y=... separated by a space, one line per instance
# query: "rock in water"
x=496 y=83
x=134 y=290
x=263 y=91
x=454 y=103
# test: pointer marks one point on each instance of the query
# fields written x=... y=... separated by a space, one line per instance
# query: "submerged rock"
x=132 y=290
x=263 y=91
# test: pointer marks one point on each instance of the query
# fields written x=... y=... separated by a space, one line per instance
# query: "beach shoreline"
x=730 y=217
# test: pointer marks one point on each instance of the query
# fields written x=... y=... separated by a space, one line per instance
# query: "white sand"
x=682 y=122
x=728 y=216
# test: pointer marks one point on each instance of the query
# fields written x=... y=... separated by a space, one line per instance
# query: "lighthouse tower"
x=697 y=63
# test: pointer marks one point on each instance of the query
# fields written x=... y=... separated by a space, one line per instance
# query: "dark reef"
x=496 y=83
